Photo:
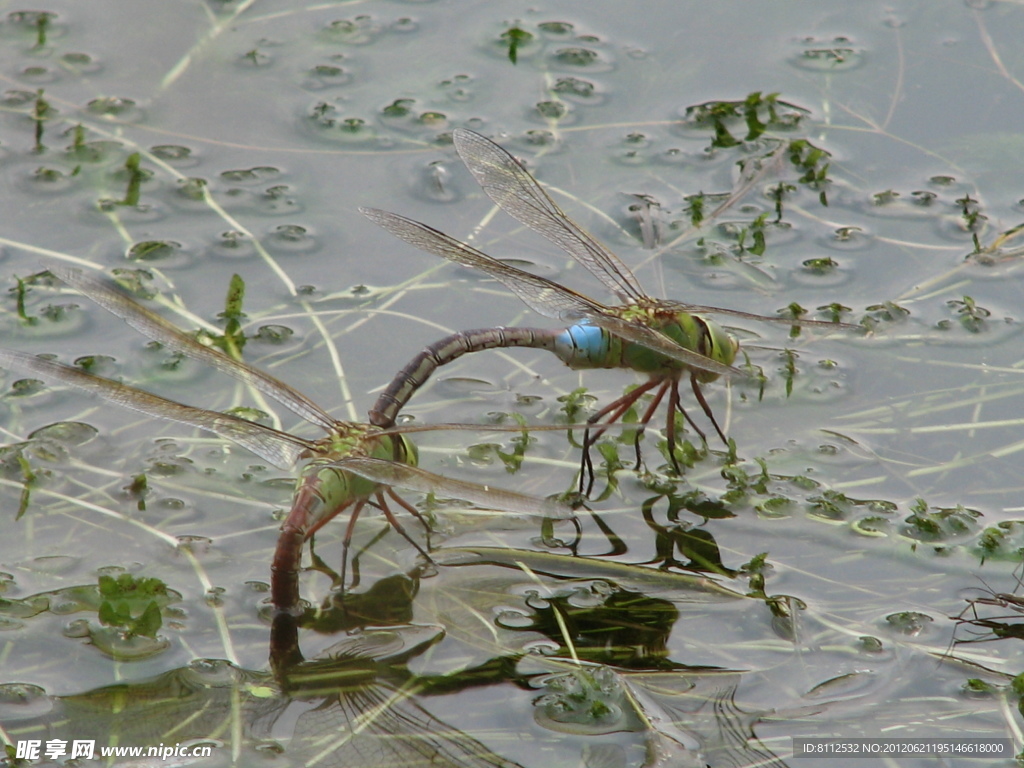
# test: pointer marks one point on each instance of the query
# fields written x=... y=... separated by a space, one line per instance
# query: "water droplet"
x=910 y=623
x=251 y=175
x=169 y=466
x=123 y=109
x=49 y=180
x=574 y=86
x=14 y=98
x=576 y=56
x=269 y=748
x=67 y=432
x=836 y=55
x=81 y=63
x=399 y=108
x=328 y=71
x=291 y=238
x=360 y=30
x=38 y=75
x=555 y=27
x=197 y=545
x=552 y=110
x=510 y=619
x=434 y=182
x=19 y=701
x=77 y=628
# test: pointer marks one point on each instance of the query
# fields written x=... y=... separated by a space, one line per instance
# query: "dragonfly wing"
x=700 y=308
x=648 y=337
x=157 y=328
x=517 y=193
x=280 y=449
x=416 y=479
x=543 y=296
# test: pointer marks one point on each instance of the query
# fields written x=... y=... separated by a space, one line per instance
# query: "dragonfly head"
x=718 y=345
x=407 y=448
x=723 y=345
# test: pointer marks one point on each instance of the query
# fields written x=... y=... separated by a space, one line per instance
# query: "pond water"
x=850 y=569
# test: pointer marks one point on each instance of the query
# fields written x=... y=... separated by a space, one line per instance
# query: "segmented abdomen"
x=450 y=348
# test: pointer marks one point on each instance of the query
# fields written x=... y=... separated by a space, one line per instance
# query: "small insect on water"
x=666 y=340
x=353 y=465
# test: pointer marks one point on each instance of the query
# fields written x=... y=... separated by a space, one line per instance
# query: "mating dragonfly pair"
x=355 y=464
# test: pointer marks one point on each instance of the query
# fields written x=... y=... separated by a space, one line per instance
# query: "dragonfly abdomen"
x=587 y=346
x=450 y=348
x=318 y=497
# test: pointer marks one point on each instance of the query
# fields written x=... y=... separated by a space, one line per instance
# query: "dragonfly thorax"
x=354 y=440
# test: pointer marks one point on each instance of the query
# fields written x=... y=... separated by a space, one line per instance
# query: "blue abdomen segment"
x=584 y=346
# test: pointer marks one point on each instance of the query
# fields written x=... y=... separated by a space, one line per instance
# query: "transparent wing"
x=679 y=306
x=373 y=724
x=280 y=449
x=541 y=295
x=416 y=479
x=157 y=328
x=517 y=193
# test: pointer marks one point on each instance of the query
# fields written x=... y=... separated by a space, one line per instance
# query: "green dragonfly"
x=666 y=340
x=355 y=464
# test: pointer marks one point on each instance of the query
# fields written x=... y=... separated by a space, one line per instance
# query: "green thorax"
x=691 y=332
x=326 y=487
x=351 y=439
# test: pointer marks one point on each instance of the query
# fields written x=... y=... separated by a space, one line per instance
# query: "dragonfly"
x=352 y=466
x=666 y=340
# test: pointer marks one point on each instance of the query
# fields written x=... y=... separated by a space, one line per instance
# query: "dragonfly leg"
x=706 y=408
x=670 y=427
x=398 y=526
x=317 y=564
x=356 y=572
x=346 y=542
x=674 y=405
x=646 y=418
x=610 y=413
